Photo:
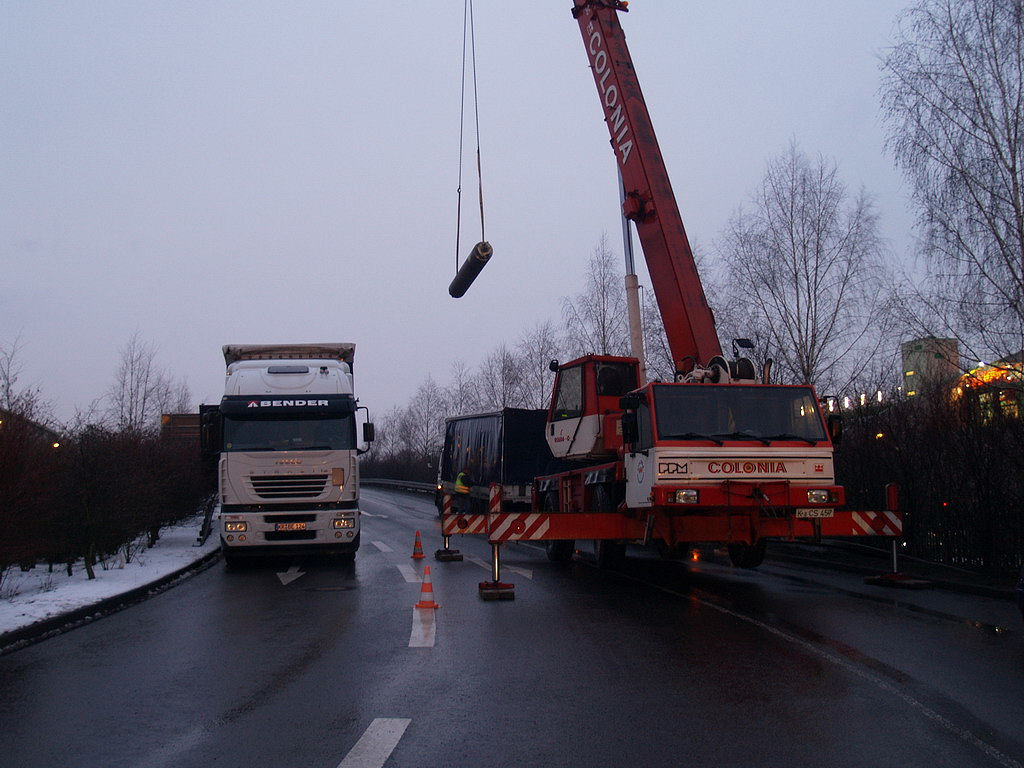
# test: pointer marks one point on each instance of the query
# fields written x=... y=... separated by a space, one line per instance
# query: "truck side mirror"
x=368 y=432
x=834 y=422
x=210 y=431
x=629 y=428
x=629 y=402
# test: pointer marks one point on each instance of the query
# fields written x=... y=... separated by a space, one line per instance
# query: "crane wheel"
x=747 y=555
x=609 y=553
x=558 y=550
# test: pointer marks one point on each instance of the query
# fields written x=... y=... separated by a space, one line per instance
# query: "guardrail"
x=401 y=485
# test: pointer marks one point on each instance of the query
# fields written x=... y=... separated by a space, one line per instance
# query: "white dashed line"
x=422 y=635
x=377 y=743
x=382 y=546
x=409 y=573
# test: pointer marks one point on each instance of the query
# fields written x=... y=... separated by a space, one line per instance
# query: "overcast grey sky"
x=211 y=172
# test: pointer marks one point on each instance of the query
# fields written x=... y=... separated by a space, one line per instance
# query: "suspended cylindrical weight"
x=470 y=269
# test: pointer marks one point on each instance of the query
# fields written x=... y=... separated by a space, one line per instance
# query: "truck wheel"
x=676 y=551
x=231 y=561
x=558 y=550
x=747 y=555
x=610 y=553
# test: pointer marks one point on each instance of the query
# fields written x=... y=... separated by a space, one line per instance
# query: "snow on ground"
x=28 y=597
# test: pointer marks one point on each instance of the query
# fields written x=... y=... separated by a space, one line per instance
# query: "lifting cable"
x=468 y=32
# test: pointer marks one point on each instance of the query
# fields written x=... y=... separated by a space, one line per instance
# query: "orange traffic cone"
x=417 y=549
x=426 y=592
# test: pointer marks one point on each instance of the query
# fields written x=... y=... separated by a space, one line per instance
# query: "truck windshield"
x=290 y=434
x=737 y=412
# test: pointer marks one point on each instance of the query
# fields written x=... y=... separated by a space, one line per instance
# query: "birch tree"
x=953 y=96
x=595 y=319
x=537 y=347
x=805 y=273
x=141 y=390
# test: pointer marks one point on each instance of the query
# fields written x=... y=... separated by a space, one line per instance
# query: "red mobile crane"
x=716 y=455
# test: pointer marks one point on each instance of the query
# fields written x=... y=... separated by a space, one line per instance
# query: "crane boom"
x=649 y=200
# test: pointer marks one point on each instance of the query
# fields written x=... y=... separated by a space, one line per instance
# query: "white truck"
x=285 y=431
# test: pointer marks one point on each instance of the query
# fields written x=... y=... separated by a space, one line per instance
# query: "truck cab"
x=692 y=448
x=584 y=415
x=288 y=475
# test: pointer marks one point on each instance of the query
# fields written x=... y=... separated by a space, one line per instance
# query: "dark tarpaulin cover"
x=506 y=447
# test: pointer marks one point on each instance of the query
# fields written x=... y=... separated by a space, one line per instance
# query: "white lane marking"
x=382 y=546
x=370 y=514
x=409 y=573
x=291 y=574
x=524 y=572
x=422 y=635
x=1004 y=760
x=376 y=744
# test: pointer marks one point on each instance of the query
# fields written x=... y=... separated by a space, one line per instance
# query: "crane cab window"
x=615 y=379
x=569 y=398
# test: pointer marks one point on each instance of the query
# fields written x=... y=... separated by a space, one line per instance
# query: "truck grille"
x=288 y=486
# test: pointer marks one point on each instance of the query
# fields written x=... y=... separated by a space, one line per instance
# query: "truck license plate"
x=289 y=526
x=807 y=512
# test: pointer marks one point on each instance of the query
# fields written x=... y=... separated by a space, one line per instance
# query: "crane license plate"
x=810 y=512
x=289 y=526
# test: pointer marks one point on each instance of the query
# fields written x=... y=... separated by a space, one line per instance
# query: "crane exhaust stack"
x=470 y=268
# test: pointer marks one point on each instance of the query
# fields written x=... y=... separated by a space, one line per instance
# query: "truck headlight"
x=819 y=497
x=685 y=496
x=344 y=522
x=236 y=527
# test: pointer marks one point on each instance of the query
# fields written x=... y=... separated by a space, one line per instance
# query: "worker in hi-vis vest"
x=461 y=499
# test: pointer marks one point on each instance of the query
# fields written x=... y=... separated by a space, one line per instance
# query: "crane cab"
x=584 y=418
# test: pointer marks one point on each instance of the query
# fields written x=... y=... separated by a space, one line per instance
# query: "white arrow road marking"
x=422 y=635
x=377 y=743
x=409 y=573
x=291 y=574
x=382 y=546
x=487 y=566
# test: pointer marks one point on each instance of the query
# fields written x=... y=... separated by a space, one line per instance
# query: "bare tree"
x=953 y=93
x=141 y=390
x=424 y=418
x=462 y=395
x=26 y=401
x=500 y=380
x=537 y=347
x=595 y=320
x=806 y=273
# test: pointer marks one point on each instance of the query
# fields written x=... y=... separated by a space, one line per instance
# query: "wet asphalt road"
x=664 y=663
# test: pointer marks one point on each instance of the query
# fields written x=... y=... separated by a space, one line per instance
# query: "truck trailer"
x=506 y=447
x=285 y=432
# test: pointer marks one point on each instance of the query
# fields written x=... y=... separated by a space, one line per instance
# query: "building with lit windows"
x=996 y=388
x=929 y=364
